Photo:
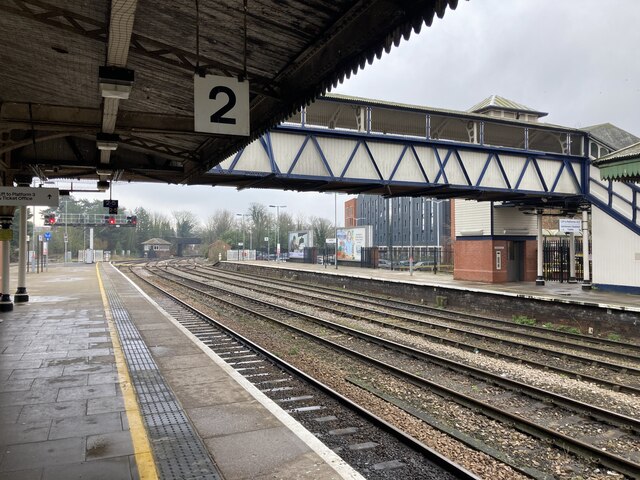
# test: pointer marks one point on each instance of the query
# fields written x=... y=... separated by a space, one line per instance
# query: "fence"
x=556 y=260
x=425 y=258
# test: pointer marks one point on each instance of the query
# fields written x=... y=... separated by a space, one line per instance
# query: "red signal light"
x=112 y=220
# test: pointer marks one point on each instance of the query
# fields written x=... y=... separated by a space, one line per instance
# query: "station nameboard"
x=29 y=196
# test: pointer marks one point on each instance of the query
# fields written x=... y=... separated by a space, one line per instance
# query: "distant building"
x=431 y=220
x=157 y=248
x=351 y=213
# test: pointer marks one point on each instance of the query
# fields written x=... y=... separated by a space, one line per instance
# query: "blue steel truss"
x=627 y=210
x=566 y=165
x=500 y=172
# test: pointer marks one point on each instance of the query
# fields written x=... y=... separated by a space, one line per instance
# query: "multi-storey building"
x=391 y=219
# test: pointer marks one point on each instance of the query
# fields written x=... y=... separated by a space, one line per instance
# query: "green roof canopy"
x=623 y=165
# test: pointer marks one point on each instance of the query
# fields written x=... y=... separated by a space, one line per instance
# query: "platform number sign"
x=221 y=105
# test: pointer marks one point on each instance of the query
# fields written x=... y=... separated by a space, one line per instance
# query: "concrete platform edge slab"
x=331 y=458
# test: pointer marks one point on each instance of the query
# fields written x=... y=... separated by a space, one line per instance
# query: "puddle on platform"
x=48 y=298
x=64 y=279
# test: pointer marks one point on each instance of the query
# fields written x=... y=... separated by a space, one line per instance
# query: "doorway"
x=515 y=261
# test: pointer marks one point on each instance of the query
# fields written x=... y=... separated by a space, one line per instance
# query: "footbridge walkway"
x=355 y=145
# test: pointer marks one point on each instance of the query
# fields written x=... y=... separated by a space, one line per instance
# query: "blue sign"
x=47 y=236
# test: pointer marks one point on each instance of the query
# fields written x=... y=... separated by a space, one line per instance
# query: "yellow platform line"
x=141 y=446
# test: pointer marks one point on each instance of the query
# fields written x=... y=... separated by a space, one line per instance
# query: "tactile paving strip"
x=177 y=449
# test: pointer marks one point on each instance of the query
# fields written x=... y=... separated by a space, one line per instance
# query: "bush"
x=523 y=320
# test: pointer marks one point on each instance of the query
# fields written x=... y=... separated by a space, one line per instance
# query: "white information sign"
x=330 y=240
x=221 y=105
x=570 y=225
x=19 y=196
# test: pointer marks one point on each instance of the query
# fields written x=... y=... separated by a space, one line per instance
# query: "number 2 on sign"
x=217 y=117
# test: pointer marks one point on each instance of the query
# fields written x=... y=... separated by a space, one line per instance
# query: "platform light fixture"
x=115 y=82
x=107 y=141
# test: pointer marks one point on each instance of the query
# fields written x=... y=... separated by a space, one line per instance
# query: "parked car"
x=423 y=266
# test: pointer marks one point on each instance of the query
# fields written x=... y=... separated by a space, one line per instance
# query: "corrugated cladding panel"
x=616 y=252
x=472 y=216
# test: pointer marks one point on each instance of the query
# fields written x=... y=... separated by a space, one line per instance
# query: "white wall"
x=615 y=252
x=472 y=218
x=511 y=221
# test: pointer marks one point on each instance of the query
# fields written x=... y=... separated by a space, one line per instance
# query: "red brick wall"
x=475 y=260
x=350 y=213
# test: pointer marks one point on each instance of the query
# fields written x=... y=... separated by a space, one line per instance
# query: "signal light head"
x=112 y=220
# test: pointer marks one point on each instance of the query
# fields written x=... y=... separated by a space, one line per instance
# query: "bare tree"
x=322 y=228
x=217 y=226
x=260 y=220
x=286 y=225
x=301 y=221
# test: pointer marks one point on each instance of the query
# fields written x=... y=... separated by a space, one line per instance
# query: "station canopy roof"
x=52 y=107
x=621 y=165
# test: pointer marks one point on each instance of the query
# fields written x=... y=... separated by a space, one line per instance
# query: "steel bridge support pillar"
x=540 y=274
x=572 y=258
x=586 y=282
x=6 y=218
x=21 y=292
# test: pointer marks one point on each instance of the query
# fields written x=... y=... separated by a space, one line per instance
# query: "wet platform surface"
x=552 y=291
x=64 y=409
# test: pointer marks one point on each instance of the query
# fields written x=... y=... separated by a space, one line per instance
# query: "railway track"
x=609 y=348
x=371 y=445
x=571 y=419
x=540 y=357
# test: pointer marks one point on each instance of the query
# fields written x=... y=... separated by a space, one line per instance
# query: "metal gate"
x=369 y=257
x=556 y=260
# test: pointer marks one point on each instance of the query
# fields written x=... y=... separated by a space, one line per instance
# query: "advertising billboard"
x=298 y=240
x=351 y=241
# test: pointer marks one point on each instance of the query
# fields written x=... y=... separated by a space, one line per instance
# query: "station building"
x=497 y=241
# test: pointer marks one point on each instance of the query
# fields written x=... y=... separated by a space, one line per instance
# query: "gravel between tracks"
x=332 y=369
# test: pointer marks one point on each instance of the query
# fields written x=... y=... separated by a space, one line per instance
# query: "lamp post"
x=435 y=219
x=335 y=227
x=411 y=236
x=277 y=207
x=242 y=215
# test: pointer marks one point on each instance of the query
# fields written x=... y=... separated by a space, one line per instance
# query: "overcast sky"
x=576 y=59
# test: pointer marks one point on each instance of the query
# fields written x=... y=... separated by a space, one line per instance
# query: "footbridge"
x=356 y=146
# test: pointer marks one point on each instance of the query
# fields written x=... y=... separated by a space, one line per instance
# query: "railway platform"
x=557 y=292
x=97 y=381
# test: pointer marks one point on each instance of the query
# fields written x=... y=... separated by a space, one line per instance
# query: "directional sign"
x=47 y=236
x=221 y=105
x=28 y=196
x=570 y=225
